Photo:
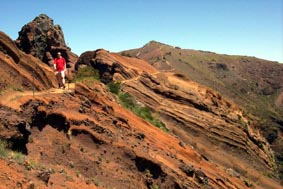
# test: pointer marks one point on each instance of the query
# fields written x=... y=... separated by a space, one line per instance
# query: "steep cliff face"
x=42 y=39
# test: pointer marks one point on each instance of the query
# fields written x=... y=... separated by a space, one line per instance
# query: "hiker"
x=60 y=68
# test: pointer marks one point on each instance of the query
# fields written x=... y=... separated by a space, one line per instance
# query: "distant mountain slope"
x=255 y=84
x=238 y=77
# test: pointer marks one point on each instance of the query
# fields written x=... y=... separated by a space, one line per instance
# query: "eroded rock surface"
x=202 y=118
x=42 y=39
x=20 y=71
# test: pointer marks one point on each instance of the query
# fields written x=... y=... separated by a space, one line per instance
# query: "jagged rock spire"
x=42 y=39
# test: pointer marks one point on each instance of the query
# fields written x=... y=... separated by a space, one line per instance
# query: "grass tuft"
x=114 y=87
x=144 y=112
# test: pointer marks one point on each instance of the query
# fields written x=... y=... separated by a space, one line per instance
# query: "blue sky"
x=235 y=27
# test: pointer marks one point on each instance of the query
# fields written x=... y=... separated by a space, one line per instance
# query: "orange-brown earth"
x=254 y=84
x=199 y=116
x=20 y=71
x=84 y=138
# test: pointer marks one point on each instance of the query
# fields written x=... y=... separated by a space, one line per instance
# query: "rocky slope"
x=199 y=116
x=253 y=83
x=84 y=137
x=20 y=71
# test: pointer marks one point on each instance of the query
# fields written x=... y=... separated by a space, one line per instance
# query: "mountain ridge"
x=88 y=137
x=160 y=43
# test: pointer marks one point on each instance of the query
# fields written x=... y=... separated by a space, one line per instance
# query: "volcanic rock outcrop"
x=42 y=39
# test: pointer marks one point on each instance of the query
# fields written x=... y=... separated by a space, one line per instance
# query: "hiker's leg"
x=63 y=77
x=58 y=77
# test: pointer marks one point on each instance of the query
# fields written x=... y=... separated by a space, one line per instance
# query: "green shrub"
x=86 y=73
x=160 y=125
x=7 y=153
x=114 y=87
x=18 y=157
x=31 y=165
x=127 y=100
x=144 y=112
x=15 y=88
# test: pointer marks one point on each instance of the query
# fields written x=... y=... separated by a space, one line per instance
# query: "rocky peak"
x=42 y=39
x=54 y=33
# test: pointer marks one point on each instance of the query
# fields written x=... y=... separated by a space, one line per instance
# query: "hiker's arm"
x=54 y=64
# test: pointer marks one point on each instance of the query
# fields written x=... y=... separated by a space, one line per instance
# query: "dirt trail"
x=14 y=99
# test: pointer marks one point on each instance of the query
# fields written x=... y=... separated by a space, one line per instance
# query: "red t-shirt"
x=60 y=64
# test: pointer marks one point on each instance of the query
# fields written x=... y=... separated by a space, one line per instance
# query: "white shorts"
x=62 y=74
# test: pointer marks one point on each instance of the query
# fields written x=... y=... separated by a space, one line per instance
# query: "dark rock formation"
x=201 y=177
x=42 y=39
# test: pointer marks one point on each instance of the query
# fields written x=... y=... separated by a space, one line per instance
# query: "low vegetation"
x=10 y=87
x=114 y=87
x=86 y=73
x=15 y=156
x=142 y=111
